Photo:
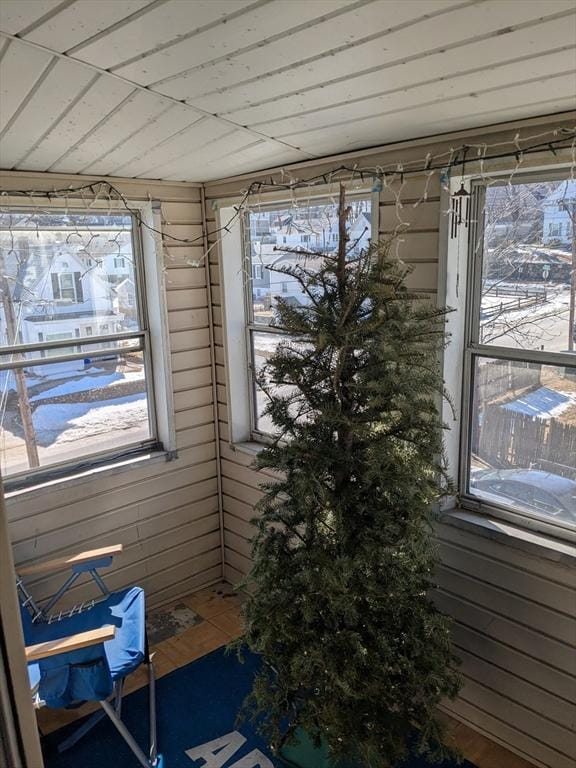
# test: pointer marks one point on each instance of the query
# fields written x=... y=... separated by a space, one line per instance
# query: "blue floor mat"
x=197 y=704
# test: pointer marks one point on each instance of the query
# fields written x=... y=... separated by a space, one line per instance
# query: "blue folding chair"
x=85 y=653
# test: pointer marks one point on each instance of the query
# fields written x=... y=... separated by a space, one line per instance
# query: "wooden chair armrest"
x=70 y=643
x=60 y=563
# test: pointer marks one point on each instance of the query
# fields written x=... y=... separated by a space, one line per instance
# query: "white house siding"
x=165 y=513
x=514 y=612
x=557 y=223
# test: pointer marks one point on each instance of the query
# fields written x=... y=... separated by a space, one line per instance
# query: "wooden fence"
x=514 y=440
x=501 y=377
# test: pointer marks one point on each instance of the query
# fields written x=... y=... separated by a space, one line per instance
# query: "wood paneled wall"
x=514 y=613
x=165 y=513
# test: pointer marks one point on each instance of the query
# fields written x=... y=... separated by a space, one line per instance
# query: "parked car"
x=535 y=491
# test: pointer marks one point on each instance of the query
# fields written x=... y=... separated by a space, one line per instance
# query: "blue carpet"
x=197 y=704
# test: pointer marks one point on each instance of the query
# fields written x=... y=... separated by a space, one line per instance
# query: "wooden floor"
x=219 y=609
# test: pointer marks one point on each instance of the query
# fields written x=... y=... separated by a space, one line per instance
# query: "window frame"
x=250 y=327
x=32 y=477
x=472 y=349
x=555 y=225
x=61 y=289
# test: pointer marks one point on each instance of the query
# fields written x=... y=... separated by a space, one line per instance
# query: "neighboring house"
x=513 y=214
x=271 y=231
x=59 y=290
x=266 y=258
x=559 y=208
x=321 y=234
x=267 y=283
x=263 y=256
x=124 y=301
x=116 y=267
x=261 y=223
x=318 y=234
x=360 y=232
x=286 y=286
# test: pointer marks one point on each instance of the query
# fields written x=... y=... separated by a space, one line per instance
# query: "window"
x=257 y=271
x=555 y=229
x=519 y=431
x=262 y=337
x=67 y=286
x=61 y=404
x=119 y=263
x=54 y=352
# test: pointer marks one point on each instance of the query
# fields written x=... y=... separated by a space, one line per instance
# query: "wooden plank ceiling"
x=203 y=89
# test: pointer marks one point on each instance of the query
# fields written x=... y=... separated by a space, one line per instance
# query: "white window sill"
x=250 y=447
x=78 y=478
x=536 y=544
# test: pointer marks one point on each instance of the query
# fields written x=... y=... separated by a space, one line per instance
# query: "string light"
x=550 y=141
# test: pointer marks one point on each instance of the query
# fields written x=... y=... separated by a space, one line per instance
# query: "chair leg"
x=80 y=732
x=152 y=704
x=114 y=713
x=125 y=733
x=119 y=686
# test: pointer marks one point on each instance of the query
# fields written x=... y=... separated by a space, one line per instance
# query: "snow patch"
x=82 y=385
x=68 y=422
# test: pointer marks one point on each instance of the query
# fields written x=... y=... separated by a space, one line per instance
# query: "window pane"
x=74 y=409
x=523 y=438
x=65 y=274
x=527 y=284
x=264 y=345
x=313 y=229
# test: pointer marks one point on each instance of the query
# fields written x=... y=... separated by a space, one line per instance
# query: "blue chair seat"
x=124 y=609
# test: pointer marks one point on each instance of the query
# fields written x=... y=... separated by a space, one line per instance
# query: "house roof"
x=126 y=282
x=29 y=256
x=307 y=261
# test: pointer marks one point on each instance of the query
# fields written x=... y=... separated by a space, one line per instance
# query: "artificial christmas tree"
x=355 y=654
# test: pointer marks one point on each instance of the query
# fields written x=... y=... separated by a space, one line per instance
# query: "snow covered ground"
x=73 y=428
x=85 y=384
x=538 y=326
x=70 y=422
x=88 y=383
